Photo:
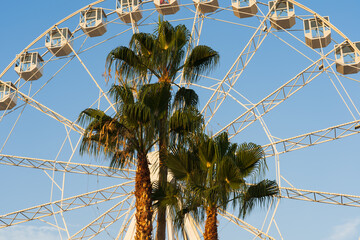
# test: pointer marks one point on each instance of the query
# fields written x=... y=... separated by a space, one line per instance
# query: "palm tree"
x=162 y=55
x=133 y=131
x=128 y=135
x=213 y=173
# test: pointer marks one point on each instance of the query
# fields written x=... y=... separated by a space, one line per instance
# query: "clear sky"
x=328 y=167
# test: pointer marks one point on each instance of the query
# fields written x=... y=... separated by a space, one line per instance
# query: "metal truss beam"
x=103 y=221
x=276 y=97
x=68 y=167
x=64 y=205
x=312 y=138
x=320 y=197
x=196 y=30
x=195 y=36
x=235 y=71
x=241 y=223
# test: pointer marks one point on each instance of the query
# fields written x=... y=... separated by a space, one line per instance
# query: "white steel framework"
x=227 y=106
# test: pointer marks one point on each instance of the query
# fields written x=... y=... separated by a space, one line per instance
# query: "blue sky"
x=329 y=167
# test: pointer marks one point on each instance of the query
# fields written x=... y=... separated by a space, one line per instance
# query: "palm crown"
x=163 y=54
x=213 y=173
x=129 y=131
x=128 y=135
x=132 y=131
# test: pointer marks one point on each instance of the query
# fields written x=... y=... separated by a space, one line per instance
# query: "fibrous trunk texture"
x=211 y=224
x=161 y=218
x=143 y=199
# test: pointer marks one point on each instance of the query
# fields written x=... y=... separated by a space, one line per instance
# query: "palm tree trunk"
x=161 y=218
x=143 y=203
x=211 y=232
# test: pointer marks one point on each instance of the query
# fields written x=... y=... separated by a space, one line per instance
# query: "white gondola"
x=58 y=42
x=206 y=6
x=347 y=60
x=282 y=15
x=29 y=66
x=317 y=33
x=244 y=8
x=129 y=10
x=167 y=7
x=93 y=22
x=8 y=96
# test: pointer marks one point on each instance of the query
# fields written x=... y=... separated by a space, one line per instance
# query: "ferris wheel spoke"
x=44 y=33
x=241 y=223
x=277 y=97
x=88 y=71
x=128 y=223
x=103 y=221
x=64 y=205
x=235 y=71
x=196 y=29
x=320 y=197
x=117 y=217
x=53 y=225
x=32 y=102
x=67 y=167
x=342 y=76
x=130 y=233
x=192 y=228
x=343 y=94
x=312 y=138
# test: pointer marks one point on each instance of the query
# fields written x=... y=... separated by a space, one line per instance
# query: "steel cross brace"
x=275 y=98
x=64 y=205
x=320 y=197
x=241 y=223
x=236 y=70
x=68 y=167
x=103 y=221
x=312 y=138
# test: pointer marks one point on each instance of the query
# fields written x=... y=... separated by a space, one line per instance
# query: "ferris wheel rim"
x=99 y=1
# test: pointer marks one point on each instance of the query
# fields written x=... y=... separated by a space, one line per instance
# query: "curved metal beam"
x=320 y=197
x=44 y=33
x=275 y=98
x=64 y=205
x=312 y=138
x=68 y=167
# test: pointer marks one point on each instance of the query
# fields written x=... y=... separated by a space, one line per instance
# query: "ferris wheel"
x=288 y=80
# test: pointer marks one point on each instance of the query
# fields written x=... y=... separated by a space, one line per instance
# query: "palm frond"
x=157 y=97
x=128 y=65
x=122 y=94
x=169 y=194
x=250 y=159
x=259 y=194
x=208 y=153
x=201 y=60
x=90 y=114
x=182 y=36
x=225 y=147
x=143 y=42
x=137 y=113
x=180 y=163
x=122 y=158
x=165 y=34
x=185 y=97
x=185 y=121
